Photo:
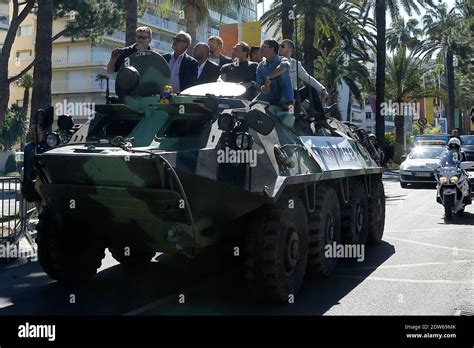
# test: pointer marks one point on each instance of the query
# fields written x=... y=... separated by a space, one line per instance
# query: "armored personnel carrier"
x=156 y=172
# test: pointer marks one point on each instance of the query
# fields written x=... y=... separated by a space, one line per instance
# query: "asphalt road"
x=422 y=267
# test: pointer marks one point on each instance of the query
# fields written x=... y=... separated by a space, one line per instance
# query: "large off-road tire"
x=67 y=256
x=276 y=250
x=376 y=212
x=324 y=230
x=131 y=256
x=355 y=224
x=448 y=207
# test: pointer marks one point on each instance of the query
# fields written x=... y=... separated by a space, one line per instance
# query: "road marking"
x=429 y=229
x=403 y=280
x=426 y=214
x=173 y=296
x=405 y=265
x=429 y=244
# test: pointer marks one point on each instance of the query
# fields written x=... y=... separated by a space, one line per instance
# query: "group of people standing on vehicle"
x=269 y=72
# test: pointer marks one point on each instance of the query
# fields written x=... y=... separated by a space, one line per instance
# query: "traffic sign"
x=422 y=121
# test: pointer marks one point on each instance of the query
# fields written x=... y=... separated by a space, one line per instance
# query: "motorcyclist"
x=454 y=156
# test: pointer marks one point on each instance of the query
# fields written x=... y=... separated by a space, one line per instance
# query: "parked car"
x=419 y=165
x=467 y=145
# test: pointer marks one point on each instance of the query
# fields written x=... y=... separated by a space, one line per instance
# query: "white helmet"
x=454 y=143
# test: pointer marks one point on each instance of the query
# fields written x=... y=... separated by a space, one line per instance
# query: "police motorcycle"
x=454 y=188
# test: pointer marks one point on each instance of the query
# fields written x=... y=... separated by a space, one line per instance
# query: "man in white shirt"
x=317 y=90
x=207 y=71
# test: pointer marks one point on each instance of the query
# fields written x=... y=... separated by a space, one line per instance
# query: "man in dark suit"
x=207 y=71
x=216 y=44
x=183 y=67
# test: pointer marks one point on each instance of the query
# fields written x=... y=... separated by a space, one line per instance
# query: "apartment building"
x=4 y=21
x=76 y=64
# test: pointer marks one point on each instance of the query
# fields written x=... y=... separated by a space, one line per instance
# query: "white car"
x=420 y=164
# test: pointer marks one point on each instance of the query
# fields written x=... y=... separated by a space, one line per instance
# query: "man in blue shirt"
x=276 y=91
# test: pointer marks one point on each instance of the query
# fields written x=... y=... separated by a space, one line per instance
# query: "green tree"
x=14 y=127
x=379 y=8
x=404 y=84
x=196 y=12
x=404 y=34
x=441 y=28
x=334 y=68
x=17 y=17
x=26 y=82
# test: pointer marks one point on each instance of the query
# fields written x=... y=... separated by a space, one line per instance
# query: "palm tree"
x=131 y=21
x=404 y=84
x=440 y=27
x=288 y=16
x=197 y=11
x=404 y=34
x=333 y=69
x=380 y=7
x=26 y=82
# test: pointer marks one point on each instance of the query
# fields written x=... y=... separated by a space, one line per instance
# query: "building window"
x=26 y=30
x=368 y=115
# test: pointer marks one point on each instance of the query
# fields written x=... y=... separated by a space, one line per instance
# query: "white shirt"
x=303 y=75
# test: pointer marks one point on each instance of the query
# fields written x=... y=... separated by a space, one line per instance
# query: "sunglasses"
x=142 y=37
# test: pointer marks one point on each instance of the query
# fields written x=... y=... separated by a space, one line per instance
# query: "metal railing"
x=18 y=219
x=80 y=85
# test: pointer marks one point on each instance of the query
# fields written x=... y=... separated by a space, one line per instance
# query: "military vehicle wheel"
x=324 y=229
x=276 y=250
x=355 y=216
x=376 y=213
x=132 y=256
x=64 y=257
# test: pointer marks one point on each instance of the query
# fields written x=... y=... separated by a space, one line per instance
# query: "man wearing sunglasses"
x=277 y=90
x=183 y=67
x=314 y=87
x=118 y=56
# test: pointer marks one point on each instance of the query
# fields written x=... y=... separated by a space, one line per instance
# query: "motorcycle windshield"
x=450 y=159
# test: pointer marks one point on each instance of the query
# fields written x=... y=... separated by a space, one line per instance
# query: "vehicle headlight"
x=454 y=179
x=405 y=167
x=443 y=179
x=52 y=139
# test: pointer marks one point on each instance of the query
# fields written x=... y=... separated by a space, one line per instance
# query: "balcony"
x=81 y=86
x=95 y=59
x=161 y=23
x=116 y=36
x=161 y=46
x=4 y=21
